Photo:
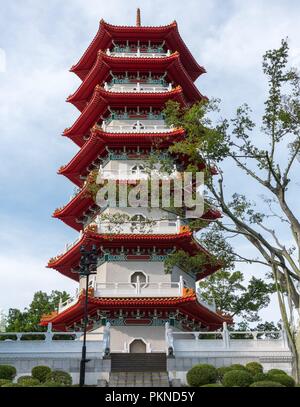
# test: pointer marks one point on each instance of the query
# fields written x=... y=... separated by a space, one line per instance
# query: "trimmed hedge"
x=59 y=376
x=276 y=371
x=40 y=373
x=237 y=366
x=4 y=381
x=22 y=378
x=261 y=377
x=201 y=374
x=266 y=384
x=254 y=368
x=213 y=385
x=28 y=382
x=222 y=370
x=237 y=378
x=50 y=384
x=7 y=372
x=283 y=379
x=11 y=385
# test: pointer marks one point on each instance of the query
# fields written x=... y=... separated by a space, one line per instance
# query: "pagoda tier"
x=68 y=262
x=96 y=146
x=108 y=34
x=83 y=206
x=102 y=100
x=185 y=309
x=105 y=64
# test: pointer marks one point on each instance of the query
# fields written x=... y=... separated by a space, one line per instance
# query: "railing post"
x=180 y=285
x=226 y=337
x=169 y=340
x=48 y=334
x=178 y=224
x=106 y=340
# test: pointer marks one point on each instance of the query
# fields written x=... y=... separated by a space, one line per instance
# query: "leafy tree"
x=233 y=297
x=29 y=319
x=267 y=154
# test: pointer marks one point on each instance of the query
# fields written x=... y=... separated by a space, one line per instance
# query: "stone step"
x=139 y=379
x=132 y=362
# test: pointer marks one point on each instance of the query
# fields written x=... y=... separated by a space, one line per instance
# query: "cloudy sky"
x=41 y=40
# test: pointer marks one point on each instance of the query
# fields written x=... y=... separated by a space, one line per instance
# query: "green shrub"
x=266 y=384
x=272 y=372
x=22 y=378
x=261 y=377
x=4 y=381
x=254 y=368
x=49 y=384
x=11 y=385
x=213 y=385
x=59 y=376
x=222 y=370
x=199 y=375
x=284 y=379
x=237 y=366
x=7 y=372
x=40 y=373
x=28 y=381
x=237 y=378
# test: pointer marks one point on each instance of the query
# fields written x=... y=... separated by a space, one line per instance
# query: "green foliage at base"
x=12 y=385
x=4 y=381
x=261 y=377
x=40 y=373
x=222 y=370
x=28 y=381
x=7 y=372
x=254 y=368
x=266 y=384
x=201 y=374
x=50 y=384
x=237 y=366
x=237 y=378
x=276 y=371
x=59 y=376
x=283 y=379
x=213 y=385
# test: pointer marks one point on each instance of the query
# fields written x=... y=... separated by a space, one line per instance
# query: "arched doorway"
x=137 y=346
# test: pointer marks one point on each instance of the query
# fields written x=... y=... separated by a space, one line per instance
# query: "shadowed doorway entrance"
x=137 y=346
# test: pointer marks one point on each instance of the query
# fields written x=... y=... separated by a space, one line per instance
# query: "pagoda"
x=128 y=74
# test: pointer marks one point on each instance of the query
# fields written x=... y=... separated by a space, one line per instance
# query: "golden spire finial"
x=138 y=17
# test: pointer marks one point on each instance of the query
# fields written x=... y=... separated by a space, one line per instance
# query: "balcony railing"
x=137 y=88
x=136 y=128
x=139 y=289
x=134 y=116
x=127 y=81
x=138 y=53
x=138 y=174
x=139 y=227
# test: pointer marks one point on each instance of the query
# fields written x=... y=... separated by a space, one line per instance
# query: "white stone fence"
x=185 y=344
x=48 y=343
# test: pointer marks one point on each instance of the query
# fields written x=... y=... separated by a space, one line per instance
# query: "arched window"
x=139 y=276
x=138 y=169
x=138 y=222
x=138 y=126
